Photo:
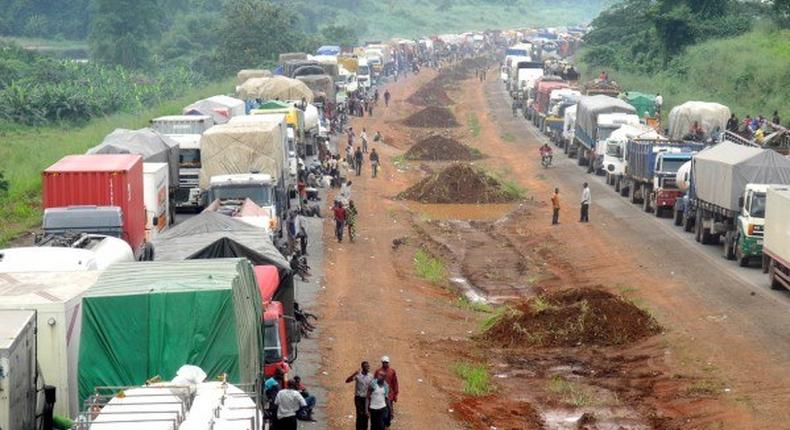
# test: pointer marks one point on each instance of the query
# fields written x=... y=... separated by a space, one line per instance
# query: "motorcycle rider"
x=546 y=154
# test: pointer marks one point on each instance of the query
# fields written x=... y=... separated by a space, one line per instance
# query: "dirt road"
x=732 y=345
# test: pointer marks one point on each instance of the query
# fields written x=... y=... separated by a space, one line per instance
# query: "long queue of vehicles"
x=727 y=190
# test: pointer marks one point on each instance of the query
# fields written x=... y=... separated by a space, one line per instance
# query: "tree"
x=121 y=31
x=674 y=30
x=253 y=32
x=342 y=35
x=781 y=9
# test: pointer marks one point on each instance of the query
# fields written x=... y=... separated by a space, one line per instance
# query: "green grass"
x=510 y=187
x=46 y=45
x=747 y=73
x=464 y=303
x=497 y=316
x=570 y=392
x=429 y=268
x=540 y=304
x=475 y=377
x=26 y=151
x=474 y=124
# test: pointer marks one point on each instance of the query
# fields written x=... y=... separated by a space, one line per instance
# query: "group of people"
x=584 y=203
x=288 y=401
x=356 y=157
x=756 y=128
x=345 y=217
x=375 y=395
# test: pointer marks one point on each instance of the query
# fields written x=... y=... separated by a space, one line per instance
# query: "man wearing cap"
x=392 y=381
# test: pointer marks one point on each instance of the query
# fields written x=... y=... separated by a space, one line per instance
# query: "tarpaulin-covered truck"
x=650 y=171
x=144 y=320
x=279 y=330
x=56 y=298
x=220 y=108
x=559 y=101
x=776 y=247
x=726 y=197
x=588 y=132
x=542 y=100
x=710 y=116
x=614 y=152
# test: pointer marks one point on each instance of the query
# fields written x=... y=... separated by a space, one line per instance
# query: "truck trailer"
x=588 y=133
x=18 y=374
x=776 y=245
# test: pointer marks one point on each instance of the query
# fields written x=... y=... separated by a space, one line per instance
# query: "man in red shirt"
x=392 y=381
x=340 y=220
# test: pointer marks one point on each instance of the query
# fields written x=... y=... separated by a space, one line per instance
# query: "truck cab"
x=280 y=334
x=231 y=191
x=751 y=224
x=607 y=124
x=665 y=190
x=188 y=194
x=364 y=75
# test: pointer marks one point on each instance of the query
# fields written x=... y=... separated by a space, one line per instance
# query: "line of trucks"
x=727 y=190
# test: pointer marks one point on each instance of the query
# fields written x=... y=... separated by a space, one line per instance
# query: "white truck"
x=18 y=376
x=188 y=194
x=56 y=299
x=182 y=124
x=155 y=197
x=364 y=74
x=776 y=236
x=66 y=253
x=613 y=149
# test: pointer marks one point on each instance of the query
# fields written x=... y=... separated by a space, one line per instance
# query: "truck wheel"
x=775 y=284
x=632 y=193
x=706 y=238
x=678 y=216
x=658 y=212
x=728 y=251
x=624 y=189
x=616 y=181
x=580 y=158
x=688 y=223
x=646 y=203
x=565 y=147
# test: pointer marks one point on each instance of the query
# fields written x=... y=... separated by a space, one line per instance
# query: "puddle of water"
x=605 y=418
x=462 y=211
x=468 y=290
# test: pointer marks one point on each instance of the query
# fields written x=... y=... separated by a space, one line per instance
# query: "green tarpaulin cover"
x=148 y=319
x=643 y=103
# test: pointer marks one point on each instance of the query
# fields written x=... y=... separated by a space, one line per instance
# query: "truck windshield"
x=363 y=70
x=672 y=165
x=272 y=350
x=614 y=149
x=260 y=194
x=758 y=206
x=189 y=158
x=605 y=132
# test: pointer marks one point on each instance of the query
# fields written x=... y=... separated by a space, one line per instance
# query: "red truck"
x=100 y=193
x=279 y=333
x=543 y=98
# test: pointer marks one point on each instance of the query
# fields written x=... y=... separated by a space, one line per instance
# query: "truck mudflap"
x=667 y=198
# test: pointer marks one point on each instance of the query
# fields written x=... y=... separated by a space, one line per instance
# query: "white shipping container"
x=182 y=124
x=777 y=223
x=17 y=369
x=156 y=198
x=56 y=297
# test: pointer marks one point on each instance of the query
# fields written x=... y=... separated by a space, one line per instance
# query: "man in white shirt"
x=288 y=401
x=585 y=202
x=659 y=103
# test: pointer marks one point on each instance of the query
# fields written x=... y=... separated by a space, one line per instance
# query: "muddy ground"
x=374 y=304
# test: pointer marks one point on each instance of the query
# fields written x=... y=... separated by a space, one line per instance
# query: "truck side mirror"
x=155 y=221
x=740 y=202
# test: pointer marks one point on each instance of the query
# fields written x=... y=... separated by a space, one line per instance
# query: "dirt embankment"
x=431 y=94
x=459 y=183
x=441 y=148
x=432 y=117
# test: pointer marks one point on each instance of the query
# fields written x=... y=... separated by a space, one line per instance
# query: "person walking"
x=555 y=206
x=376 y=95
x=585 y=203
x=306 y=412
x=288 y=402
x=350 y=134
x=300 y=228
x=387 y=96
x=351 y=220
x=364 y=138
x=340 y=220
x=358 y=159
x=376 y=403
x=362 y=379
x=659 y=101
x=391 y=378
x=374 y=162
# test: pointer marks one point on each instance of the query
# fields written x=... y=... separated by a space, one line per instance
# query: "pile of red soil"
x=493 y=411
x=432 y=117
x=573 y=317
x=458 y=183
x=441 y=148
x=430 y=94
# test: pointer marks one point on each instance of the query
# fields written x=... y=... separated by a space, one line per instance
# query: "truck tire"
x=658 y=212
x=698 y=232
x=580 y=158
x=743 y=260
x=646 y=202
x=688 y=223
x=632 y=193
x=624 y=188
x=775 y=284
x=728 y=250
x=616 y=180
x=678 y=215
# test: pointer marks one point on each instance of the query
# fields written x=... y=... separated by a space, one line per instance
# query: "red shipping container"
x=100 y=180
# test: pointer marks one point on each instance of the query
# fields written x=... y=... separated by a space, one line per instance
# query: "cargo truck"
x=134 y=324
x=18 y=374
x=523 y=72
x=364 y=74
x=726 y=197
x=220 y=108
x=709 y=116
x=651 y=166
x=55 y=297
x=559 y=100
x=156 y=198
x=608 y=123
x=187 y=196
x=543 y=100
x=776 y=245
x=614 y=152
x=110 y=185
x=182 y=124
x=66 y=251
x=279 y=330
x=587 y=130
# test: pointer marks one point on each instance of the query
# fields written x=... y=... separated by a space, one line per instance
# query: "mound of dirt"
x=573 y=317
x=432 y=117
x=441 y=148
x=459 y=183
x=431 y=94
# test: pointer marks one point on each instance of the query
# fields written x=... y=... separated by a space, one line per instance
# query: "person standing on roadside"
x=374 y=162
x=555 y=207
x=376 y=403
x=387 y=96
x=585 y=202
x=340 y=220
x=364 y=138
x=362 y=379
x=358 y=159
x=391 y=378
x=288 y=402
x=351 y=220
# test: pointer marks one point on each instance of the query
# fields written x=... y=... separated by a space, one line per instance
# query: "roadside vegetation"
x=429 y=267
x=475 y=377
x=735 y=53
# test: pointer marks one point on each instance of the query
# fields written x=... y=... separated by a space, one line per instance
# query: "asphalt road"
x=742 y=294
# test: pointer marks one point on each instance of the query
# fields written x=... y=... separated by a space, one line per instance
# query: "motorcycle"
x=545 y=160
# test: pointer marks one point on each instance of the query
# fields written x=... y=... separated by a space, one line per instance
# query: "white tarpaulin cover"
x=241 y=148
x=245 y=74
x=709 y=116
x=311 y=117
x=721 y=172
x=277 y=87
x=590 y=107
x=150 y=144
x=220 y=108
